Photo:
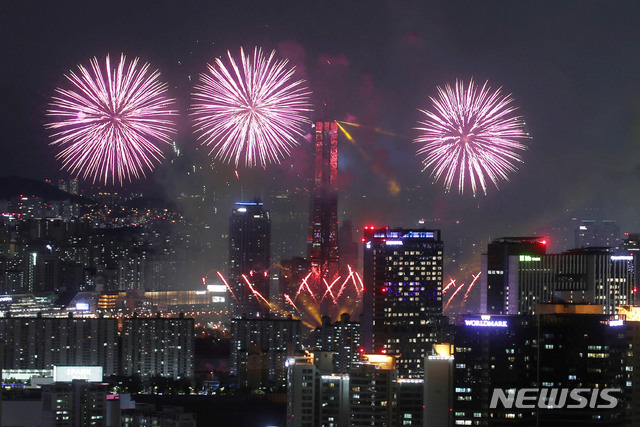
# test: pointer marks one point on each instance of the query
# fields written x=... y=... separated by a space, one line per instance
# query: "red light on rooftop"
x=544 y=242
x=361 y=350
x=364 y=240
x=635 y=290
x=383 y=351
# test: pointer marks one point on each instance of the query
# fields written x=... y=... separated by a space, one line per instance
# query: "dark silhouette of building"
x=348 y=248
x=592 y=233
x=568 y=347
x=402 y=302
x=250 y=257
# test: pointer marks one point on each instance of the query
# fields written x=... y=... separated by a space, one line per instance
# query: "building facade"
x=402 y=301
x=250 y=257
x=42 y=342
x=324 y=252
x=158 y=347
x=260 y=348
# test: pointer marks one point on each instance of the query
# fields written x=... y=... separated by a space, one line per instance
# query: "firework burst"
x=471 y=132
x=251 y=108
x=109 y=122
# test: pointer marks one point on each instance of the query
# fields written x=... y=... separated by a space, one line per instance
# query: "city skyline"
x=374 y=68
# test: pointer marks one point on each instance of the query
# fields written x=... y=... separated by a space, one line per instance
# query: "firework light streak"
x=453 y=296
x=256 y=293
x=451 y=283
x=302 y=285
x=108 y=124
x=251 y=108
x=329 y=287
x=473 y=282
x=227 y=285
x=471 y=131
x=288 y=299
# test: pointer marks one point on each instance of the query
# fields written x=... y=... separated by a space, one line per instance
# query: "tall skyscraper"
x=250 y=257
x=402 y=302
x=496 y=270
x=324 y=213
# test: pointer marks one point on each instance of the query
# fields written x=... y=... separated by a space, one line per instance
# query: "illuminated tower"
x=250 y=256
x=324 y=213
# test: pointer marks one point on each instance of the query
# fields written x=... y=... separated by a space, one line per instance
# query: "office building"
x=588 y=275
x=250 y=257
x=402 y=302
x=497 y=271
x=565 y=348
x=158 y=346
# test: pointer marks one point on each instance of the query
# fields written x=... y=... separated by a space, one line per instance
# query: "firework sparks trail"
x=453 y=296
x=328 y=291
x=288 y=299
x=451 y=283
x=471 y=130
x=251 y=108
x=375 y=129
x=315 y=300
x=473 y=282
x=302 y=286
x=256 y=293
x=360 y=281
x=344 y=283
x=108 y=124
x=227 y=285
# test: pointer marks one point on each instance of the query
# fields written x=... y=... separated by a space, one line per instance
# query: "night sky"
x=573 y=68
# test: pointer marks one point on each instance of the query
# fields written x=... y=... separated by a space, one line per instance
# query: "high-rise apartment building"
x=158 y=346
x=260 y=348
x=250 y=257
x=402 y=302
x=342 y=338
x=44 y=342
x=370 y=394
x=76 y=404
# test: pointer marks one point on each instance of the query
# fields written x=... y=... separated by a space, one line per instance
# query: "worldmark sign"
x=486 y=322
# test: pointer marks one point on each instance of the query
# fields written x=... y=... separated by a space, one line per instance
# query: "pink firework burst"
x=252 y=108
x=471 y=132
x=109 y=122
